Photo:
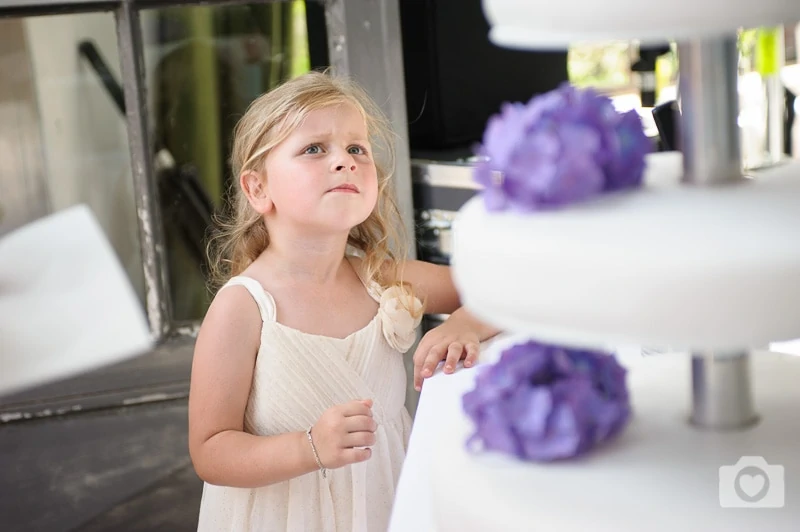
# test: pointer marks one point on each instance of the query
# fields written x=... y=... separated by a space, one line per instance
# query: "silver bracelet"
x=316 y=454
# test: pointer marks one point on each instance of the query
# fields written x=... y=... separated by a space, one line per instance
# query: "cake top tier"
x=538 y=24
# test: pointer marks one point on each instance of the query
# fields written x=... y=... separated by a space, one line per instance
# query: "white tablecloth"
x=440 y=399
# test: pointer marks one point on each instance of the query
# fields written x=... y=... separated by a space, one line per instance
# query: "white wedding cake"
x=581 y=242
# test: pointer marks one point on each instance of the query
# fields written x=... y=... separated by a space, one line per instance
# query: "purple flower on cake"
x=562 y=147
x=542 y=403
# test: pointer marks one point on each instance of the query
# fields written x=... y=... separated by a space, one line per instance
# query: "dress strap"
x=264 y=300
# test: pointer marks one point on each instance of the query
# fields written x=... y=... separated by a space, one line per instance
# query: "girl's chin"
x=344 y=224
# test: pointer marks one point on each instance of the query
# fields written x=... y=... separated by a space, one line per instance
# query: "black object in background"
x=456 y=78
x=788 y=120
x=317 y=31
x=666 y=116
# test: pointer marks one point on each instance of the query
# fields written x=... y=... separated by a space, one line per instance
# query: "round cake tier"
x=545 y=24
x=668 y=265
x=661 y=474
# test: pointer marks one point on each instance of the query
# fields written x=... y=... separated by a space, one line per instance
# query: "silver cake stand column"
x=721 y=390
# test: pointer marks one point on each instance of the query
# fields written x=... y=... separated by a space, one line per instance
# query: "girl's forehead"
x=344 y=118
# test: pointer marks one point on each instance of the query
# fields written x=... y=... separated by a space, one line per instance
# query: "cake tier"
x=661 y=474
x=545 y=24
x=667 y=265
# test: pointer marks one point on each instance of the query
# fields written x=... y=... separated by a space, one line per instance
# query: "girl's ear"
x=254 y=186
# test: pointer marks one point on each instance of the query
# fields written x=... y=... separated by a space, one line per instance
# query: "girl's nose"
x=344 y=162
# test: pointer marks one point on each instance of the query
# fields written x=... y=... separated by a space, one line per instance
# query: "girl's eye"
x=356 y=150
x=312 y=150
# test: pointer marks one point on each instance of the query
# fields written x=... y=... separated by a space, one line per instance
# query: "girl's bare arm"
x=222 y=372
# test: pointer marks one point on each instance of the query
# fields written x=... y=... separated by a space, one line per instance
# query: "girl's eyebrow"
x=321 y=137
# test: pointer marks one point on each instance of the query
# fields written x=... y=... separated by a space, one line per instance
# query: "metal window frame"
x=365 y=43
x=17 y=8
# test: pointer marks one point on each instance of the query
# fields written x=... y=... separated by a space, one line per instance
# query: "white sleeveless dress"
x=297 y=377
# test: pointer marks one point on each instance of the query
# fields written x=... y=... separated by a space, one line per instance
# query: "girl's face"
x=322 y=177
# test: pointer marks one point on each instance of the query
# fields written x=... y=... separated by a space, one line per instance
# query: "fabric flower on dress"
x=398 y=323
x=543 y=403
x=562 y=147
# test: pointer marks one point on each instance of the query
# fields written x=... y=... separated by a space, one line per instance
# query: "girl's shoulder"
x=257 y=293
x=234 y=306
x=231 y=330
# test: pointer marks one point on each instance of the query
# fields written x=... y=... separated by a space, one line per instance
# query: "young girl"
x=296 y=412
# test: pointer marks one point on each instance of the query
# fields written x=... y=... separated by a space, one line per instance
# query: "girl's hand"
x=454 y=340
x=457 y=338
x=343 y=434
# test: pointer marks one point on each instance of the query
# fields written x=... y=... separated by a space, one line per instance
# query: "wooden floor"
x=170 y=505
x=104 y=451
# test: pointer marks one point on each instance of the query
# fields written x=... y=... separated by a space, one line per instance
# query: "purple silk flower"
x=562 y=147
x=543 y=403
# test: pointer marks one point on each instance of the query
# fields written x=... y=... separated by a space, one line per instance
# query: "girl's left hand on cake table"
x=458 y=338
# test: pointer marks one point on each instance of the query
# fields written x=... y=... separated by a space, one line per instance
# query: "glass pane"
x=605 y=66
x=609 y=68
x=63 y=139
x=204 y=66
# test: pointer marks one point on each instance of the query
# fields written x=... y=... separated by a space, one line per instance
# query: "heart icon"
x=752 y=484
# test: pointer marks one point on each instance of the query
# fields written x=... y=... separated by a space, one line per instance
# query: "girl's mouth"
x=346 y=188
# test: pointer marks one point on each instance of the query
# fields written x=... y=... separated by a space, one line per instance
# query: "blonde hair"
x=242 y=235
